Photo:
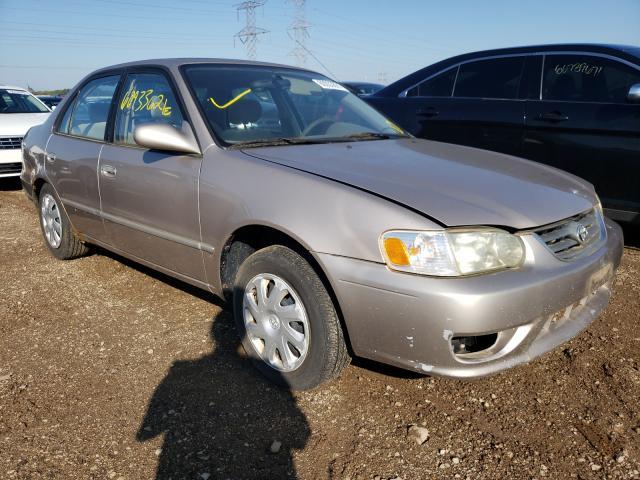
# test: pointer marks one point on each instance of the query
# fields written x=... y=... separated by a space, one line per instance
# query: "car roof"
x=626 y=52
x=12 y=87
x=177 y=62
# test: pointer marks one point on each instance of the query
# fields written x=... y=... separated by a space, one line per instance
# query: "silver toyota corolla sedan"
x=332 y=232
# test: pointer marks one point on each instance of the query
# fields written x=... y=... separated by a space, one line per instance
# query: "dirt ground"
x=108 y=370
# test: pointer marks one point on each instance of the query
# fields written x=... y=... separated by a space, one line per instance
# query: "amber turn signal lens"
x=396 y=251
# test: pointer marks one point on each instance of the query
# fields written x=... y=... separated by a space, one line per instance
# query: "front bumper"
x=10 y=162
x=410 y=320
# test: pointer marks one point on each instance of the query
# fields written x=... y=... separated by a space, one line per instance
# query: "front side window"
x=491 y=78
x=587 y=78
x=88 y=115
x=439 y=86
x=20 y=101
x=247 y=104
x=145 y=98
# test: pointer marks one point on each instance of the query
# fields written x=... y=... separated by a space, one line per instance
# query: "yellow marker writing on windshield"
x=230 y=102
x=395 y=127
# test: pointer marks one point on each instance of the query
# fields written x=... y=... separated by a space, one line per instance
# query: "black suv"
x=576 y=107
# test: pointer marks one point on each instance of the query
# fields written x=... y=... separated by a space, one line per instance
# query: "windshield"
x=366 y=88
x=256 y=105
x=19 y=101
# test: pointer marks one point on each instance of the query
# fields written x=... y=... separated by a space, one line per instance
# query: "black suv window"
x=587 y=78
x=87 y=117
x=492 y=78
x=439 y=86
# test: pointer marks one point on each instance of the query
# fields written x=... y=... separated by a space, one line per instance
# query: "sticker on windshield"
x=18 y=92
x=329 y=85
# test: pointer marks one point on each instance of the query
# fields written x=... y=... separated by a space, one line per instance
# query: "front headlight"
x=451 y=253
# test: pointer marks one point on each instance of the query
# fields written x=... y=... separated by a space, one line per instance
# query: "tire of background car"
x=295 y=313
x=56 y=228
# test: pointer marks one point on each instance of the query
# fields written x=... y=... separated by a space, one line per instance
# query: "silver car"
x=331 y=231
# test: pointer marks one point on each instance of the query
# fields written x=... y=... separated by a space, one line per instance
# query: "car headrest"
x=245 y=111
x=98 y=112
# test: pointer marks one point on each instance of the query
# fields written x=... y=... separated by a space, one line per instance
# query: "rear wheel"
x=287 y=320
x=56 y=228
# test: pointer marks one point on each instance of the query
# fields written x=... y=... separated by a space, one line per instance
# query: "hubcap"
x=51 y=222
x=276 y=322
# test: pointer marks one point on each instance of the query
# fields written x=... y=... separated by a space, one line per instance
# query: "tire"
x=56 y=227
x=306 y=307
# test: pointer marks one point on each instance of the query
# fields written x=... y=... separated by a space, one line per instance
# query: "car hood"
x=455 y=185
x=17 y=124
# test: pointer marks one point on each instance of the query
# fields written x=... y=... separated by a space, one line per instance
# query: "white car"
x=19 y=111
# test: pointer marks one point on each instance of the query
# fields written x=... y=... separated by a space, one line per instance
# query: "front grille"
x=9 y=143
x=7 y=168
x=575 y=236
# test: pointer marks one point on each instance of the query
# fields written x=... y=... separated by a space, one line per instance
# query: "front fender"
x=323 y=215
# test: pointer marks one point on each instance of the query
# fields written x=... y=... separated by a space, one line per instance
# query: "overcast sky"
x=50 y=44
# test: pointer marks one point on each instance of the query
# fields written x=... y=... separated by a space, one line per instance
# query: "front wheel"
x=289 y=325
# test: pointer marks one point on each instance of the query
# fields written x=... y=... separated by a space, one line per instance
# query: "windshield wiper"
x=272 y=142
x=367 y=136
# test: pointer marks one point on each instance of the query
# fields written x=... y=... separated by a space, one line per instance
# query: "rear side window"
x=439 y=86
x=587 y=78
x=145 y=98
x=492 y=78
x=88 y=115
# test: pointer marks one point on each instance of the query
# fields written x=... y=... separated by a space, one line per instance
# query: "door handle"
x=428 y=112
x=51 y=157
x=553 y=117
x=108 y=171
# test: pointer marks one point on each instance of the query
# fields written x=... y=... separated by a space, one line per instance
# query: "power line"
x=248 y=36
x=299 y=32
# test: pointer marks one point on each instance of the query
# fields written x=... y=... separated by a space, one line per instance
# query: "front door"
x=149 y=197
x=585 y=125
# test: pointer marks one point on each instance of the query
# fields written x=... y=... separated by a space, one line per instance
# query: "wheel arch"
x=252 y=237
x=37 y=186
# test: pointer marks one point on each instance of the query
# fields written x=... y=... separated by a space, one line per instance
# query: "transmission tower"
x=299 y=32
x=248 y=36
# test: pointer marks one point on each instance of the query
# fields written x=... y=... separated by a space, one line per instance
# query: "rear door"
x=477 y=103
x=73 y=150
x=583 y=123
x=150 y=197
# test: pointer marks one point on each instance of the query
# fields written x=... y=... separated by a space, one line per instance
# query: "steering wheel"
x=316 y=124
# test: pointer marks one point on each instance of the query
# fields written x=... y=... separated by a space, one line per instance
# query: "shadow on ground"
x=218 y=416
x=220 y=419
x=10 y=184
x=631 y=235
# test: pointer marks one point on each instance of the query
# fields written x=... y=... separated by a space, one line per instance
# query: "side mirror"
x=160 y=136
x=634 y=93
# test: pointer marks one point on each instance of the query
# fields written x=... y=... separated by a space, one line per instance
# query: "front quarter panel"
x=325 y=216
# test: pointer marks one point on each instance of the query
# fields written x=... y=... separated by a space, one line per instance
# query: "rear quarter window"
x=440 y=85
x=490 y=78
